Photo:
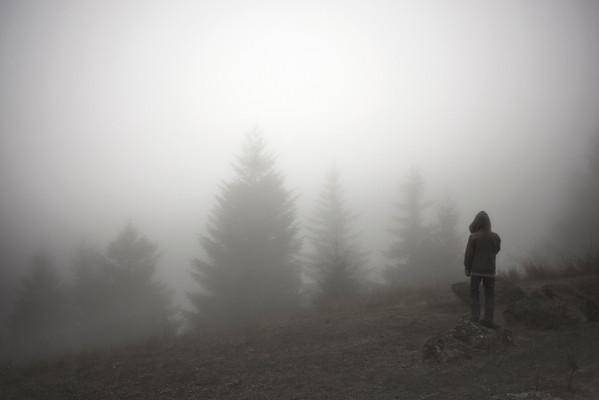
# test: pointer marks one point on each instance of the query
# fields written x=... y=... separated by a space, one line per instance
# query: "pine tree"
x=250 y=269
x=9 y=265
x=407 y=252
x=146 y=305
x=6 y=289
x=335 y=262
x=576 y=230
x=38 y=324
x=94 y=299
x=118 y=298
x=445 y=246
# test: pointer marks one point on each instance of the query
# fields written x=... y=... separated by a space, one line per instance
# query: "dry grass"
x=535 y=270
x=354 y=354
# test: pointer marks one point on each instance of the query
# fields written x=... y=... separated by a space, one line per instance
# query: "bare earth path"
x=365 y=353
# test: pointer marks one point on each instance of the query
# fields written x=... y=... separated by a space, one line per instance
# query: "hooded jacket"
x=482 y=248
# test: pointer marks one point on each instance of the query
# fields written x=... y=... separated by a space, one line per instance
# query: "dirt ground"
x=366 y=352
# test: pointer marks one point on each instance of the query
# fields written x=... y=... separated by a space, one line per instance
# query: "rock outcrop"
x=464 y=341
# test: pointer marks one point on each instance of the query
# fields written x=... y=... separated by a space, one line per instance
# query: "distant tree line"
x=113 y=299
x=423 y=253
x=253 y=266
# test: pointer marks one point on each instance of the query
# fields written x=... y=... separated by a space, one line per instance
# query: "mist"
x=115 y=112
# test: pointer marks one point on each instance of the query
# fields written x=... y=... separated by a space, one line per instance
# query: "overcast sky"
x=133 y=110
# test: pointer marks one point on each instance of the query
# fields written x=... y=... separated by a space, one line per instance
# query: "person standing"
x=479 y=260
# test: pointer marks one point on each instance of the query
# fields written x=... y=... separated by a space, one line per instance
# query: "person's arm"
x=469 y=255
x=497 y=243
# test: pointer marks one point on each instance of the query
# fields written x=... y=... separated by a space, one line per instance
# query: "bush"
x=535 y=270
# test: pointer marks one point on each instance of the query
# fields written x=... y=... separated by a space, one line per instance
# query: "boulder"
x=444 y=349
x=464 y=341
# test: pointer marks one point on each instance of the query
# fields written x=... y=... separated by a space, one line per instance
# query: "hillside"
x=368 y=351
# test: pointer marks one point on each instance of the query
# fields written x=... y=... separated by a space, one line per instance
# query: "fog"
x=122 y=111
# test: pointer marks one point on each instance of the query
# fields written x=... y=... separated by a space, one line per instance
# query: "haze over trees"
x=423 y=253
x=6 y=287
x=118 y=296
x=577 y=224
x=407 y=253
x=251 y=268
x=112 y=298
x=39 y=323
x=336 y=262
x=446 y=247
x=429 y=111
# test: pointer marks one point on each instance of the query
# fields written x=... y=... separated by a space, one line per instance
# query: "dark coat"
x=482 y=248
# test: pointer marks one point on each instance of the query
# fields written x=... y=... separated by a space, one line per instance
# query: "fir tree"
x=146 y=305
x=407 y=252
x=335 y=263
x=576 y=230
x=94 y=297
x=38 y=325
x=118 y=298
x=250 y=267
x=445 y=247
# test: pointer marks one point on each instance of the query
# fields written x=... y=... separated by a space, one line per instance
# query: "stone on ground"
x=464 y=341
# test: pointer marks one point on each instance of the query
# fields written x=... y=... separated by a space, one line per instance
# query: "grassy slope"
x=361 y=353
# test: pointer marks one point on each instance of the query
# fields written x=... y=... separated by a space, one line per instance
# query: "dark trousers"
x=489 y=285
